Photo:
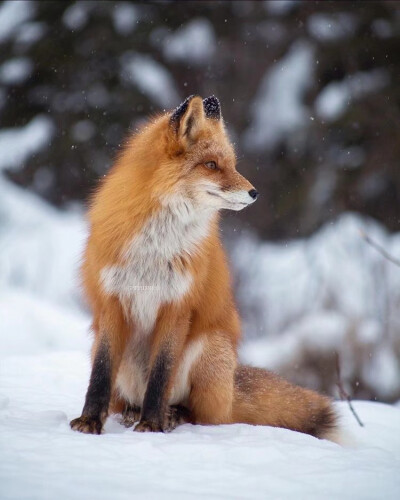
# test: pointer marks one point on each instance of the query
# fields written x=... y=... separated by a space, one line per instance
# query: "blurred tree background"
x=310 y=92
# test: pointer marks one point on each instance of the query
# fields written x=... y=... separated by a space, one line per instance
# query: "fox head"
x=196 y=159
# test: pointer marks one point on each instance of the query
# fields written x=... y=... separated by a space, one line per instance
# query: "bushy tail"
x=263 y=398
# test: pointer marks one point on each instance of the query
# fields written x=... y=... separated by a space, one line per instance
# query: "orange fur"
x=195 y=334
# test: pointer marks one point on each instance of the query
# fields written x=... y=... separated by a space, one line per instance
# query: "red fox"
x=156 y=278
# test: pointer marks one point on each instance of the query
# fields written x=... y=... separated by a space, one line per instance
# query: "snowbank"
x=43 y=459
x=40 y=246
x=331 y=292
x=40 y=303
x=40 y=249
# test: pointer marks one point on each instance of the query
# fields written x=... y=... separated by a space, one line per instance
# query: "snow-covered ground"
x=41 y=458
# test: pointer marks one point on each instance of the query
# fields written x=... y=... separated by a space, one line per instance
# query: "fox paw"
x=176 y=415
x=87 y=425
x=148 y=426
x=130 y=415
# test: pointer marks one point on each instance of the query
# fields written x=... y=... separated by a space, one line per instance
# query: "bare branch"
x=379 y=248
x=344 y=396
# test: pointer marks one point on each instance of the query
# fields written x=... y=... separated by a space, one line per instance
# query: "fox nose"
x=253 y=193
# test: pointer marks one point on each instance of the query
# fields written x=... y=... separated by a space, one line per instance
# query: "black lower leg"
x=155 y=401
x=98 y=394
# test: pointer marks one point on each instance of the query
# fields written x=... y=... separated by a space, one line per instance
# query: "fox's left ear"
x=188 y=119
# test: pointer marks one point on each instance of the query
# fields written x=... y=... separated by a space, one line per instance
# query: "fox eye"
x=211 y=165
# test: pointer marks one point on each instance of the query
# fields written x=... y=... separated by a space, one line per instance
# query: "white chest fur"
x=146 y=278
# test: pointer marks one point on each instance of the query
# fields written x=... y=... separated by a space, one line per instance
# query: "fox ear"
x=212 y=108
x=188 y=119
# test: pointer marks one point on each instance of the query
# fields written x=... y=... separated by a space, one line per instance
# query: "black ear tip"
x=212 y=107
x=180 y=110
